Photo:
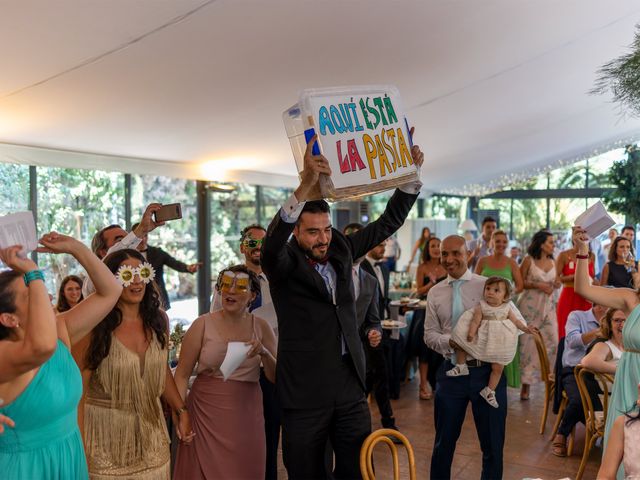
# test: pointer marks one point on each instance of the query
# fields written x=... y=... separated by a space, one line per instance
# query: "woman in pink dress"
x=226 y=414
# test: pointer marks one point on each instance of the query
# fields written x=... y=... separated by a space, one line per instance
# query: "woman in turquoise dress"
x=498 y=264
x=625 y=387
x=40 y=384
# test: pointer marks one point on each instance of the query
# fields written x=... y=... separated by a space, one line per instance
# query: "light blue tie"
x=457 y=308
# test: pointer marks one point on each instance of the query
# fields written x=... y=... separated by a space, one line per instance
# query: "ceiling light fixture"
x=221 y=187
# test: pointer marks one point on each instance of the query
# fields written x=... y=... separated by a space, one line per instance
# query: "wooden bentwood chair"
x=550 y=386
x=594 y=419
x=382 y=435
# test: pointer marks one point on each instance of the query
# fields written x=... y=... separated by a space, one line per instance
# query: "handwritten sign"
x=363 y=133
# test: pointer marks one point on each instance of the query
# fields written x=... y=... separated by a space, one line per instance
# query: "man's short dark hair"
x=98 y=242
x=245 y=231
x=315 y=206
x=628 y=227
x=352 y=228
x=488 y=219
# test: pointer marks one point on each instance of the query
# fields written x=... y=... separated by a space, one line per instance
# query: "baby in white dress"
x=488 y=332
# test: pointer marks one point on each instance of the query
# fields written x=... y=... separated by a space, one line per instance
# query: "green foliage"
x=621 y=76
x=625 y=176
x=14 y=194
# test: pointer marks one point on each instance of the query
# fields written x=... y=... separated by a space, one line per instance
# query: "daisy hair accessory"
x=126 y=273
x=229 y=278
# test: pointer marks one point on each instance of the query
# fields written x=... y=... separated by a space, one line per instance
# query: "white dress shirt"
x=437 y=325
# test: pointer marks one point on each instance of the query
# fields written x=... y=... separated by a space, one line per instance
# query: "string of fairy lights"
x=499 y=183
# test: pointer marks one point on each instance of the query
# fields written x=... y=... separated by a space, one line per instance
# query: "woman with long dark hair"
x=127 y=359
x=536 y=305
x=40 y=384
x=69 y=294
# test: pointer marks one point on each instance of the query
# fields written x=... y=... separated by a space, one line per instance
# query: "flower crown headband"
x=126 y=273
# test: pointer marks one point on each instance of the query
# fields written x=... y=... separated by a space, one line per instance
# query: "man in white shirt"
x=114 y=238
x=446 y=301
x=479 y=247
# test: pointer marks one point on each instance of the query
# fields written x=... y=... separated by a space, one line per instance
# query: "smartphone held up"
x=171 y=211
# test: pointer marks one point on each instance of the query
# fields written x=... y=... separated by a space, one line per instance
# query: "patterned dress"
x=538 y=310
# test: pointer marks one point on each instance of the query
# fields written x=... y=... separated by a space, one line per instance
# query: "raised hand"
x=314 y=165
x=147 y=224
x=416 y=153
x=581 y=239
x=11 y=258
x=54 y=242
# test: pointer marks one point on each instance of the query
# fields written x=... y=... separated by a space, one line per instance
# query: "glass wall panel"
x=571 y=176
x=230 y=213
x=179 y=238
x=271 y=200
x=75 y=202
x=599 y=167
x=14 y=194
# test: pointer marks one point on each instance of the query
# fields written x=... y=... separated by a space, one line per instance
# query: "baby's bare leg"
x=496 y=373
x=461 y=357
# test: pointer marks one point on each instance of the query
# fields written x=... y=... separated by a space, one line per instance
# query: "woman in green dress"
x=40 y=384
x=499 y=264
x=625 y=393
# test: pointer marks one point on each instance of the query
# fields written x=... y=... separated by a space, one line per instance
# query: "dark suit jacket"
x=158 y=258
x=310 y=325
x=367 y=305
x=383 y=297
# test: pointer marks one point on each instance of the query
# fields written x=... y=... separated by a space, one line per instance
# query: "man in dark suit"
x=372 y=295
x=320 y=374
x=158 y=258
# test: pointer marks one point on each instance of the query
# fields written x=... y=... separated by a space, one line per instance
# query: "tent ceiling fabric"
x=492 y=87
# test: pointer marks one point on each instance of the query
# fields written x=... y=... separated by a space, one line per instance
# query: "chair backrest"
x=382 y=435
x=543 y=357
x=591 y=419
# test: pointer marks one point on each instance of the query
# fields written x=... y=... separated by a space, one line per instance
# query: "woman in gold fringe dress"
x=124 y=428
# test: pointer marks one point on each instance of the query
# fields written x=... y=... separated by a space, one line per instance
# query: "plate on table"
x=405 y=302
x=392 y=324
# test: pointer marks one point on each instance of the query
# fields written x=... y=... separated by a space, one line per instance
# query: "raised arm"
x=82 y=318
x=480 y=266
x=40 y=336
x=623 y=299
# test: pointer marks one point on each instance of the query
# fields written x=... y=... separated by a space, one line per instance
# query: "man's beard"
x=315 y=256
x=255 y=261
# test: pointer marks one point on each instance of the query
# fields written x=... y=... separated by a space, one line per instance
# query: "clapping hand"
x=374 y=337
